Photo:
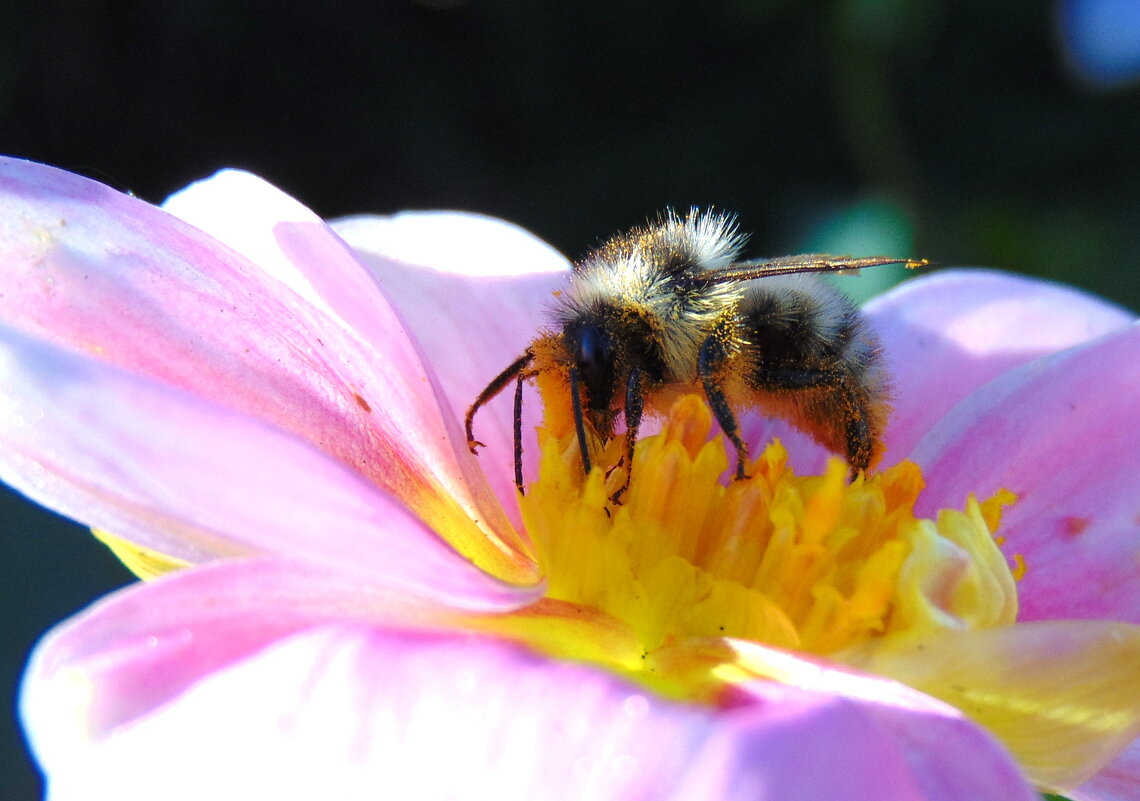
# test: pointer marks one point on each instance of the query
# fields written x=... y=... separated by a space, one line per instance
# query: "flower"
x=229 y=383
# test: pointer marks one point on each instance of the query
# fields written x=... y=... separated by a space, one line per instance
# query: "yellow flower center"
x=809 y=563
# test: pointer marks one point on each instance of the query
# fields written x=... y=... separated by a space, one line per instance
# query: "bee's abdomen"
x=801 y=321
x=812 y=359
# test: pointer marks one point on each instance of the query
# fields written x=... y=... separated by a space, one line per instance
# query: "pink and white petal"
x=175 y=473
x=1119 y=781
x=1063 y=696
x=138 y=648
x=947 y=334
x=282 y=236
x=1061 y=433
x=359 y=712
x=99 y=272
x=285 y=238
x=295 y=246
x=877 y=749
x=933 y=740
x=474 y=291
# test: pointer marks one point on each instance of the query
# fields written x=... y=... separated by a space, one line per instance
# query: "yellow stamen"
x=812 y=563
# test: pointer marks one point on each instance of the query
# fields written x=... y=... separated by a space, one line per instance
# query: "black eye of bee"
x=595 y=358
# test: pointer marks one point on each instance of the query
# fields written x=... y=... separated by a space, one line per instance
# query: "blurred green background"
x=958 y=131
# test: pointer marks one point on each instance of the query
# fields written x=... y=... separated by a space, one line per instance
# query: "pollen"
x=813 y=563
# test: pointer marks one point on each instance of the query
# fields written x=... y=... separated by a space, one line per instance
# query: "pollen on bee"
x=552 y=380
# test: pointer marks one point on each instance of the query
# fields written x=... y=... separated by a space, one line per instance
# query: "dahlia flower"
x=259 y=412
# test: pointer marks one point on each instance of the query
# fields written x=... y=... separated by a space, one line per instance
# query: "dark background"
x=951 y=130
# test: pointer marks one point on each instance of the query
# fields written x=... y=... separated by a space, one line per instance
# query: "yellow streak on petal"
x=567 y=631
x=1064 y=696
x=145 y=563
x=477 y=529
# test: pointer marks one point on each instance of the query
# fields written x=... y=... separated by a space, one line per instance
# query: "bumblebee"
x=669 y=308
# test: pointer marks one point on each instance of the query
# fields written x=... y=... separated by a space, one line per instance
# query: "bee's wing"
x=803 y=263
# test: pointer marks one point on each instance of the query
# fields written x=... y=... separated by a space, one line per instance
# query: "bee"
x=669 y=308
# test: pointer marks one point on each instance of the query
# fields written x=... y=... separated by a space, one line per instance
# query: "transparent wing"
x=803 y=263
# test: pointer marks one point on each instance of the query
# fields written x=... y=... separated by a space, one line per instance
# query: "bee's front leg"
x=634 y=407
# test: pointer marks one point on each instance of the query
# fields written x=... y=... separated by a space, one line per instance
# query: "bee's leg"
x=518 y=433
x=860 y=442
x=842 y=403
x=491 y=390
x=634 y=407
x=853 y=409
x=579 y=420
x=710 y=362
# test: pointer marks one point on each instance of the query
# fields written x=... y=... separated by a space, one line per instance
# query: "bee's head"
x=592 y=348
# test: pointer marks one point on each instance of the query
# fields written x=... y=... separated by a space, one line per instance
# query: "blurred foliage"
x=578 y=119
x=918 y=127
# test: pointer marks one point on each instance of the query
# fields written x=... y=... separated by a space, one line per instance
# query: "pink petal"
x=473 y=291
x=879 y=750
x=197 y=481
x=1120 y=781
x=97 y=271
x=904 y=726
x=295 y=246
x=142 y=646
x=1062 y=434
x=357 y=712
x=1063 y=696
x=947 y=334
